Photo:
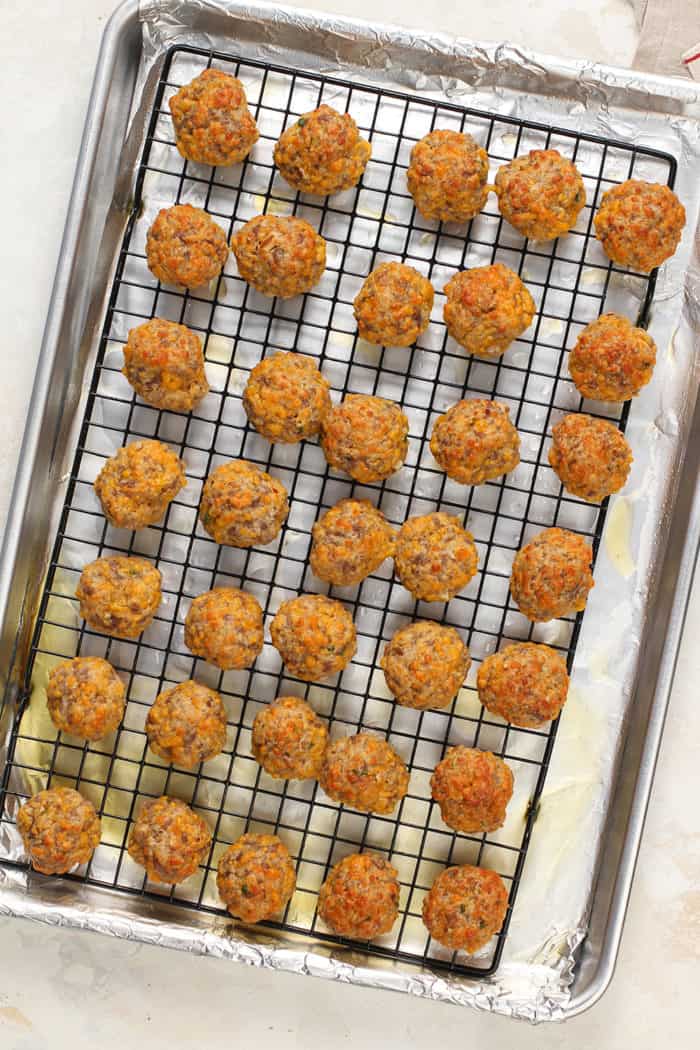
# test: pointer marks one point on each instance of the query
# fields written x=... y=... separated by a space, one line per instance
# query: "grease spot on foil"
x=591 y=276
x=219 y=349
x=272 y=207
x=551 y=326
x=617 y=537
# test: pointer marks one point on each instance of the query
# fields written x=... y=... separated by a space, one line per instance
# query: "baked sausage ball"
x=435 y=557
x=365 y=437
x=256 y=878
x=465 y=907
x=314 y=635
x=612 y=360
x=286 y=398
x=360 y=897
x=225 y=627
x=212 y=122
x=486 y=308
x=425 y=665
x=185 y=247
x=525 y=683
x=136 y=486
x=472 y=789
x=242 y=505
x=187 y=724
x=364 y=772
x=119 y=595
x=590 y=456
x=551 y=575
x=322 y=153
x=640 y=224
x=279 y=255
x=59 y=829
x=289 y=739
x=164 y=363
x=540 y=194
x=393 y=305
x=169 y=840
x=475 y=441
x=447 y=176
x=85 y=697
x=350 y=541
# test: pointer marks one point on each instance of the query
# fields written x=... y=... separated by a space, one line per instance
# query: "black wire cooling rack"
x=571 y=281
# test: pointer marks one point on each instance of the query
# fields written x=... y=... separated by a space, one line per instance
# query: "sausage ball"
x=185 y=247
x=164 y=363
x=365 y=437
x=540 y=194
x=314 y=635
x=486 y=309
x=525 y=683
x=242 y=506
x=435 y=557
x=279 y=256
x=350 y=541
x=364 y=772
x=256 y=878
x=85 y=697
x=360 y=897
x=472 y=789
x=169 y=840
x=465 y=907
x=286 y=398
x=551 y=575
x=289 y=739
x=612 y=360
x=212 y=122
x=590 y=456
x=59 y=829
x=447 y=176
x=119 y=595
x=475 y=441
x=639 y=224
x=425 y=665
x=225 y=627
x=136 y=486
x=393 y=305
x=187 y=724
x=322 y=153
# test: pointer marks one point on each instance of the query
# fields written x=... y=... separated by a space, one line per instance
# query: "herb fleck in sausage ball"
x=85 y=697
x=187 y=724
x=349 y=542
x=475 y=441
x=435 y=557
x=472 y=789
x=242 y=505
x=393 y=306
x=425 y=665
x=589 y=456
x=447 y=176
x=279 y=255
x=185 y=247
x=540 y=194
x=314 y=635
x=289 y=739
x=322 y=153
x=525 y=683
x=364 y=772
x=639 y=224
x=213 y=124
x=256 y=878
x=286 y=398
x=59 y=829
x=164 y=363
x=612 y=360
x=169 y=840
x=465 y=907
x=360 y=897
x=551 y=575
x=119 y=595
x=365 y=437
x=486 y=309
x=136 y=486
x=225 y=627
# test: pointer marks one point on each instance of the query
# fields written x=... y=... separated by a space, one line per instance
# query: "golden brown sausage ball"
x=640 y=224
x=472 y=789
x=465 y=907
x=350 y=541
x=59 y=829
x=256 y=878
x=364 y=772
x=289 y=739
x=314 y=635
x=187 y=724
x=365 y=437
x=551 y=575
x=393 y=305
x=589 y=456
x=169 y=840
x=286 y=398
x=425 y=665
x=360 y=897
x=213 y=124
x=85 y=697
x=136 y=486
x=486 y=309
x=164 y=363
x=185 y=247
x=279 y=255
x=119 y=595
x=525 y=683
x=475 y=441
x=322 y=153
x=242 y=505
x=435 y=557
x=540 y=194
x=612 y=360
x=225 y=627
x=447 y=176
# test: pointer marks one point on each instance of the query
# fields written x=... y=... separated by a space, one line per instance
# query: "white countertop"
x=62 y=989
